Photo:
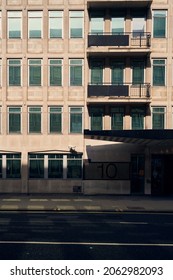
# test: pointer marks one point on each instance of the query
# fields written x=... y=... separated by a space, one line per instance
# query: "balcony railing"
x=119 y=90
x=131 y=39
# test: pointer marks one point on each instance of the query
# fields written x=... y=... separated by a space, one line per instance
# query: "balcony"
x=108 y=42
x=119 y=93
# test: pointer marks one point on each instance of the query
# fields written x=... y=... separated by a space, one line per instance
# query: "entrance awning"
x=142 y=137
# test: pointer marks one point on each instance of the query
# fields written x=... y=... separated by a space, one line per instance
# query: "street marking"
x=60 y=207
x=88 y=243
x=9 y=207
x=40 y=199
x=82 y=200
x=92 y=208
x=38 y=207
x=58 y=199
x=134 y=223
x=11 y=199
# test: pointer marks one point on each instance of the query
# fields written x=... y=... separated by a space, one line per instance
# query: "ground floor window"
x=55 y=166
x=74 y=166
x=10 y=166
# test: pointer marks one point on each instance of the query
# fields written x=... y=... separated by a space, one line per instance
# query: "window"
x=14 y=72
x=35 y=119
x=35 y=24
x=138 y=26
x=75 y=120
x=138 y=72
x=74 y=166
x=0 y=24
x=96 y=118
x=13 y=169
x=96 y=72
x=117 y=25
x=137 y=115
x=158 y=118
x=55 y=119
x=76 y=24
x=117 y=72
x=14 y=24
x=159 y=23
x=0 y=72
x=1 y=166
x=55 y=166
x=14 y=120
x=117 y=115
x=97 y=23
x=159 y=66
x=10 y=166
x=35 y=69
x=76 y=66
x=55 y=72
x=36 y=166
x=55 y=24
x=0 y=119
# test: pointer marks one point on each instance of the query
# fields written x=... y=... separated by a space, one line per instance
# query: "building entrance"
x=162 y=175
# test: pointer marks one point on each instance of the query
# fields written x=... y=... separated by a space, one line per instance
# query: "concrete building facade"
x=71 y=66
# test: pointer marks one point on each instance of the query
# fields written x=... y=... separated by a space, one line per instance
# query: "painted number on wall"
x=108 y=170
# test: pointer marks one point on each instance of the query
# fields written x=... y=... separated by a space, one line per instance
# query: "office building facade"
x=86 y=96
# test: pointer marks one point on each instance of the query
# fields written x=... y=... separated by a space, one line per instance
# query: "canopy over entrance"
x=142 y=137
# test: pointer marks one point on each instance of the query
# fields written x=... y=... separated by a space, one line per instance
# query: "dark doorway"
x=137 y=174
x=162 y=175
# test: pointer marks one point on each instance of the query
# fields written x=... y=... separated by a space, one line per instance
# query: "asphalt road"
x=85 y=236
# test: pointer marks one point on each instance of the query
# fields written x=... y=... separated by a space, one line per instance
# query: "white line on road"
x=133 y=223
x=89 y=243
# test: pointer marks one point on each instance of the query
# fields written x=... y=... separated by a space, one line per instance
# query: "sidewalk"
x=91 y=203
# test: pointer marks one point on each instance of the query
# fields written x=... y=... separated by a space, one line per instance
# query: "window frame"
x=166 y=23
x=165 y=71
x=49 y=119
x=41 y=119
x=77 y=17
x=58 y=17
x=71 y=114
x=136 y=33
x=159 y=113
x=142 y=114
x=0 y=24
x=98 y=64
x=35 y=15
x=102 y=113
x=46 y=158
x=72 y=81
x=14 y=65
x=55 y=65
x=15 y=113
x=117 y=110
x=97 y=15
x=4 y=158
x=117 y=17
x=41 y=71
x=19 y=17
x=0 y=72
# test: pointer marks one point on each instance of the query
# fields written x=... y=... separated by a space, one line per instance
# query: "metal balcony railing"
x=125 y=90
x=127 y=39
